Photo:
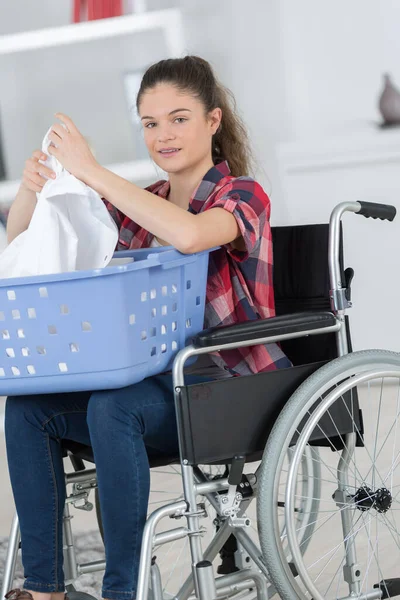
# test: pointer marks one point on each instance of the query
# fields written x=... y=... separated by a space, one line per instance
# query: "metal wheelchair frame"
x=230 y=507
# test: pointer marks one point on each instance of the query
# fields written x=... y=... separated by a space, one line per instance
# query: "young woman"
x=193 y=133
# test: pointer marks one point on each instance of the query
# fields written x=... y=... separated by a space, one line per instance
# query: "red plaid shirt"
x=239 y=285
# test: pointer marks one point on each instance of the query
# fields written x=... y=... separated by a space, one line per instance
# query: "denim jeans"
x=123 y=426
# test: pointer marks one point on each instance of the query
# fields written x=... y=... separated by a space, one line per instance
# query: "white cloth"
x=155 y=243
x=71 y=229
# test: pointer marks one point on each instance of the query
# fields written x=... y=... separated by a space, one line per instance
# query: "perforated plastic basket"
x=100 y=329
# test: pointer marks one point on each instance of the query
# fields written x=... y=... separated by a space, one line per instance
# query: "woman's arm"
x=185 y=231
x=21 y=212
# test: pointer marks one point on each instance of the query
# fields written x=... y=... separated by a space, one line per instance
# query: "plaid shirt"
x=239 y=285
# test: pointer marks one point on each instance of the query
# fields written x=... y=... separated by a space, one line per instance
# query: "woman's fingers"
x=34 y=166
x=39 y=155
x=30 y=184
x=68 y=122
x=34 y=177
x=59 y=130
x=35 y=174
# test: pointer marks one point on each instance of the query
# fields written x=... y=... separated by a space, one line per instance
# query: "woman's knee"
x=17 y=406
x=38 y=410
x=110 y=410
x=22 y=409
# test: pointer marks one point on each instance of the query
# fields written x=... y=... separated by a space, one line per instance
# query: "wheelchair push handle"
x=385 y=212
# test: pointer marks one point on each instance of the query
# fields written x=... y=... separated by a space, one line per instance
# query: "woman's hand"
x=71 y=148
x=35 y=175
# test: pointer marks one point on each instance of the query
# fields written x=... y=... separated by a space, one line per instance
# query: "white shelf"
x=358 y=147
x=169 y=20
x=135 y=171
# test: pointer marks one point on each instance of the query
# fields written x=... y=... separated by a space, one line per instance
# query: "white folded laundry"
x=71 y=229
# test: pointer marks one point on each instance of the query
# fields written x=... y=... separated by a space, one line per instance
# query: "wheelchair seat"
x=82 y=452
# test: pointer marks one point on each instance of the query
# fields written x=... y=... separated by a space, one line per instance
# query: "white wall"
x=335 y=54
x=372 y=247
x=242 y=41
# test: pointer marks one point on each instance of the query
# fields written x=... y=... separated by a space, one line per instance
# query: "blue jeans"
x=122 y=426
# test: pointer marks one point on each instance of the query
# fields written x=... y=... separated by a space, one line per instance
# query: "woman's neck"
x=184 y=183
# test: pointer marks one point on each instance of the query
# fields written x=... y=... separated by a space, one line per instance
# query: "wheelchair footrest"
x=389 y=587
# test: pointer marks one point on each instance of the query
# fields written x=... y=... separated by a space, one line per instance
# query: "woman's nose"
x=165 y=133
x=162 y=139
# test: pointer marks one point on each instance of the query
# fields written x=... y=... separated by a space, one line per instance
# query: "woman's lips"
x=168 y=154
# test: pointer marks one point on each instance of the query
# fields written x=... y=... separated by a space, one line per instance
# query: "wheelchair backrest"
x=301 y=283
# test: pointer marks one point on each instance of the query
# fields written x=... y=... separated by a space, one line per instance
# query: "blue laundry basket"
x=103 y=328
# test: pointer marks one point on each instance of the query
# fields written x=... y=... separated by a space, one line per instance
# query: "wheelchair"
x=294 y=471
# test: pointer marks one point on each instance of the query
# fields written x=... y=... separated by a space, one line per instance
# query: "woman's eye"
x=177 y=118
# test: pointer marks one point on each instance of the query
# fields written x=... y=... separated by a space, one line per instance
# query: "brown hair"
x=194 y=75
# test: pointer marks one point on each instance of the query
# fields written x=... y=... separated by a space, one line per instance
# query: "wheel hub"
x=380 y=500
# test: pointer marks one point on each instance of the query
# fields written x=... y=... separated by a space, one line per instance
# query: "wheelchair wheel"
x=174 y=560
x=354 y=549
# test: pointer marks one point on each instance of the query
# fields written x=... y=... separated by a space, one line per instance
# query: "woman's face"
x=171 y=119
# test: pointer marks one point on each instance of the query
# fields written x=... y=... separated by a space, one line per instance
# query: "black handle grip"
x=386 y=212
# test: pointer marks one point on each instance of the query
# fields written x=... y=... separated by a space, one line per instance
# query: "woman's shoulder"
x=240 y=182
x=244 y=188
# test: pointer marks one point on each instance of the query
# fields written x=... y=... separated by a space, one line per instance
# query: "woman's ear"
x=216 y=119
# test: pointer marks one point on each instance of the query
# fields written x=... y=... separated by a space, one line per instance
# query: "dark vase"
x=389 y=102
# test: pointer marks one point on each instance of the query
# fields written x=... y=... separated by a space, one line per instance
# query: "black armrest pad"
x=253 y=330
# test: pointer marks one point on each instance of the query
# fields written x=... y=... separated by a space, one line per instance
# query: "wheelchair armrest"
x=262 y=328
